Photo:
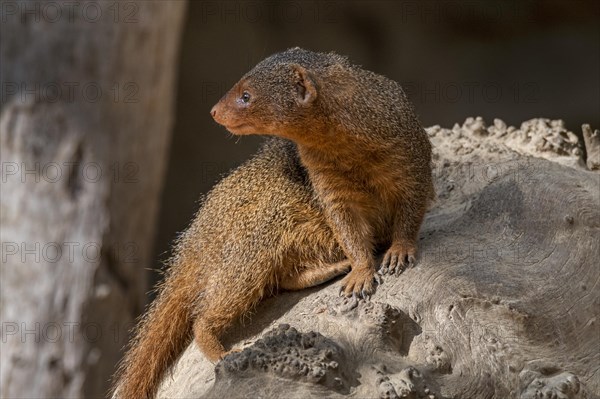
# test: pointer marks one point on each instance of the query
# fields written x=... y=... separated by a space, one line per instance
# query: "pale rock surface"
x=504 y=300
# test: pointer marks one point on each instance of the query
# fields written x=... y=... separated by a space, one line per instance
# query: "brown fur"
x=350 y=177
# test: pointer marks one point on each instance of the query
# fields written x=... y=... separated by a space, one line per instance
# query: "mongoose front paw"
x=360 y=282
x=397 y=258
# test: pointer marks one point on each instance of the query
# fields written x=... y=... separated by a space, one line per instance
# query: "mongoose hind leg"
x=212 y=322
x=206 y=335
x=228 y=301
x=310 y=277
x=360 y=282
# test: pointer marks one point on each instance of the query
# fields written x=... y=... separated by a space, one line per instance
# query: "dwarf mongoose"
x=346 y=176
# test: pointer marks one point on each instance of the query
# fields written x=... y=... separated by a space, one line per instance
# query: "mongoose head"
x=281 y=96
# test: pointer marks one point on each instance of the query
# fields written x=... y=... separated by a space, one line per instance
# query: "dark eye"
x=245 y=97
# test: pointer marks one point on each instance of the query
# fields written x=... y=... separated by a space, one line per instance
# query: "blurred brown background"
x=513 y=60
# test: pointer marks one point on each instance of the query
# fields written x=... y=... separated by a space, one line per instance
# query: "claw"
x=398 y=258
x=386 y=262
x=341 y=293
x=377 y=278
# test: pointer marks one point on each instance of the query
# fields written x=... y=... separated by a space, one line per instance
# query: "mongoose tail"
x=159 y=340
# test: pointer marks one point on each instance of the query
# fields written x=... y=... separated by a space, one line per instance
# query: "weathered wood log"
x=87 y=96
x=592 y=146
x=504 y=301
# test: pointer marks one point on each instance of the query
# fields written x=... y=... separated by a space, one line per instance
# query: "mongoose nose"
x=213 y=111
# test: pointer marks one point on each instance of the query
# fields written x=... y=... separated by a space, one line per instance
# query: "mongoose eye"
x=245 y=97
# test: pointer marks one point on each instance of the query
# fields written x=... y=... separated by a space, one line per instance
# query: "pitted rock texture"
x=560 y=385
x=288 y=353
x=376 y=324
x=541 y=137
x=408 y=383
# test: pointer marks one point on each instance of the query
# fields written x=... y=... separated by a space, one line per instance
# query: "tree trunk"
x=87 y=105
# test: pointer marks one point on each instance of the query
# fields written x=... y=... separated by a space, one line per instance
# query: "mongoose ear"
x=306 y=86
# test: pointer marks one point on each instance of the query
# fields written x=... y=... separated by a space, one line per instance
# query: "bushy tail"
x=159 y=340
